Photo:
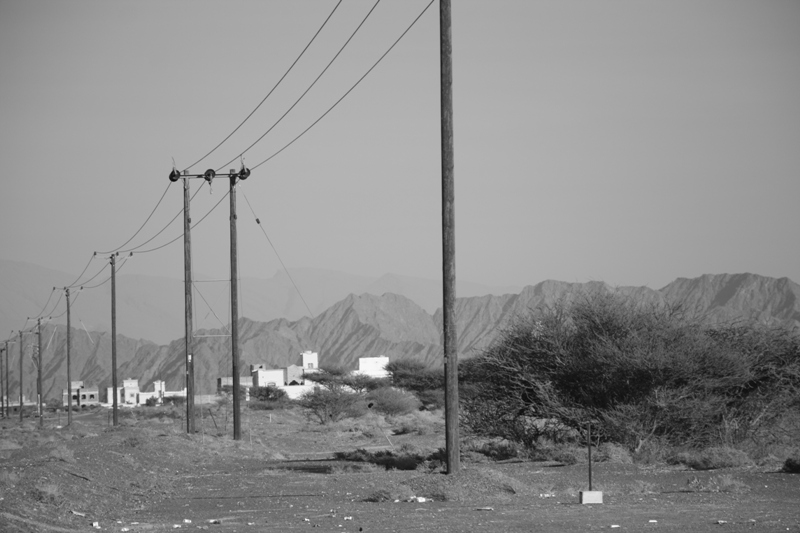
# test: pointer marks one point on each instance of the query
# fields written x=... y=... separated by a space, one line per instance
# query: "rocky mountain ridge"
x=370 y=325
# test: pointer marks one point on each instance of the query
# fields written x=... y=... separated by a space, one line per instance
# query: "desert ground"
x=288 y=473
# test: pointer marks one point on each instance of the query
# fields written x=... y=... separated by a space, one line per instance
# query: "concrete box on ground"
x=591 y=496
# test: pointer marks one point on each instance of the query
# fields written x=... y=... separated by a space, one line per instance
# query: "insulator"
x=174 y=175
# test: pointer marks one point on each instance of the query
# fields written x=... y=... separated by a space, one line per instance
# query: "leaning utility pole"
x=114 y=336
x=39 y=372
x=448 y=242
x=187 y=276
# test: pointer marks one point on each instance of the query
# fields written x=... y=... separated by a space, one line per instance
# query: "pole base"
x=591 y=496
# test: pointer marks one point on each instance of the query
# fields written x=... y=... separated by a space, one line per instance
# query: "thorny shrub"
x=639 y=371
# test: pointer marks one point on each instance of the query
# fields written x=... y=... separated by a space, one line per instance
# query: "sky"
x=624 y=141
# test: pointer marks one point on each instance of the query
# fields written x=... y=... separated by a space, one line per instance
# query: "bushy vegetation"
x=644 y=374
x=270 y=393
x=427 y=384
x=331 y=405
x=391 y=401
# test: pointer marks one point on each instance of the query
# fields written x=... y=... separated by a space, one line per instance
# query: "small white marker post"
x=591 y=496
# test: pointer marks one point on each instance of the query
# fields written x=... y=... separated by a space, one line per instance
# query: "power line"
x=41 y=313
x=193 y=226
x=258 y=221
x=143 y=224
x=271 y=90
x=105 y=265
x=348 y=91
x=75 y=283
x=309 y=87
x=164 y=228
x=118 y=268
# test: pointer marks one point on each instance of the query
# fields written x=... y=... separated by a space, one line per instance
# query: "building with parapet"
x=82 y=396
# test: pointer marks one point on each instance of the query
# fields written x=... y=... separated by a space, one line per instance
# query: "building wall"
x=373 y=366
x=81 y=396
x=310 y=360
x=244 y=381
x=264 y=378
x=294 y=373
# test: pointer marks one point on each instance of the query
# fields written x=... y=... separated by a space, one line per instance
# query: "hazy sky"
x=625 y=141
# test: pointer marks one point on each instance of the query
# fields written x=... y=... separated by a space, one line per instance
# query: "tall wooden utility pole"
x=187 y=276
x=20 y=377
x=114 y=336
x=3 y=391
x=237 y=425
x=448 y=242
x=39 y=372
x=69 y=374
x=8 y=390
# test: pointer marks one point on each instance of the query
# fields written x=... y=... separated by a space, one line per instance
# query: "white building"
x=269 y=378
x=373 y=366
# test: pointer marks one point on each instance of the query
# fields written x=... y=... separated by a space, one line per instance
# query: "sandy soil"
x=147 y=474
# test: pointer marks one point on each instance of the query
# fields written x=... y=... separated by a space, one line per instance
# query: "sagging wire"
x=348 y=91
x=273 y=88
x=192 y=227
x=309 y=87
x=162 y=229
x=142 y=226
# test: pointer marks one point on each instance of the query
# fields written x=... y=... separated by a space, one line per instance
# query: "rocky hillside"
x=370 y=325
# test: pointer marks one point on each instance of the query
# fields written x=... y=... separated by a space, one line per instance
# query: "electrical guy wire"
x=349 y=90
x=273 y=88
x=208 y=305
x=258 y=221
x=308 y=89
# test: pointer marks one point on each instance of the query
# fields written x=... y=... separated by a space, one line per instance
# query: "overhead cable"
x=168 y=224
x=192 y=227
x=41 y=313
x=143 y=224
x=75 y=283
x=273 y=88
x=105 y=265
x=308 y=89
x=348 y=91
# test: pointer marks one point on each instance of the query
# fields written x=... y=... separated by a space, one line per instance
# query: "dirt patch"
x=148 y=475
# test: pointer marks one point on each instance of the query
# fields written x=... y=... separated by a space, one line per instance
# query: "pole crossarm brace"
x=209 y=174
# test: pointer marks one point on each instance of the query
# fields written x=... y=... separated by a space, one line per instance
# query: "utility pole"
x=448 y=242
x=69 y=374
x=39 y=365
x=209 y=175
x=3 y=391
x=237 y=423
x=20 y=376
x=114 y=336
x=8 y=390
x=187 y=276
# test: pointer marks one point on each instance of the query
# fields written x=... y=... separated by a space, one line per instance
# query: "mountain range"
x=370 y=325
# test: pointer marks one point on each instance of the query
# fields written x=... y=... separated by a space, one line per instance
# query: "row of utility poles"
x=448 y=272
